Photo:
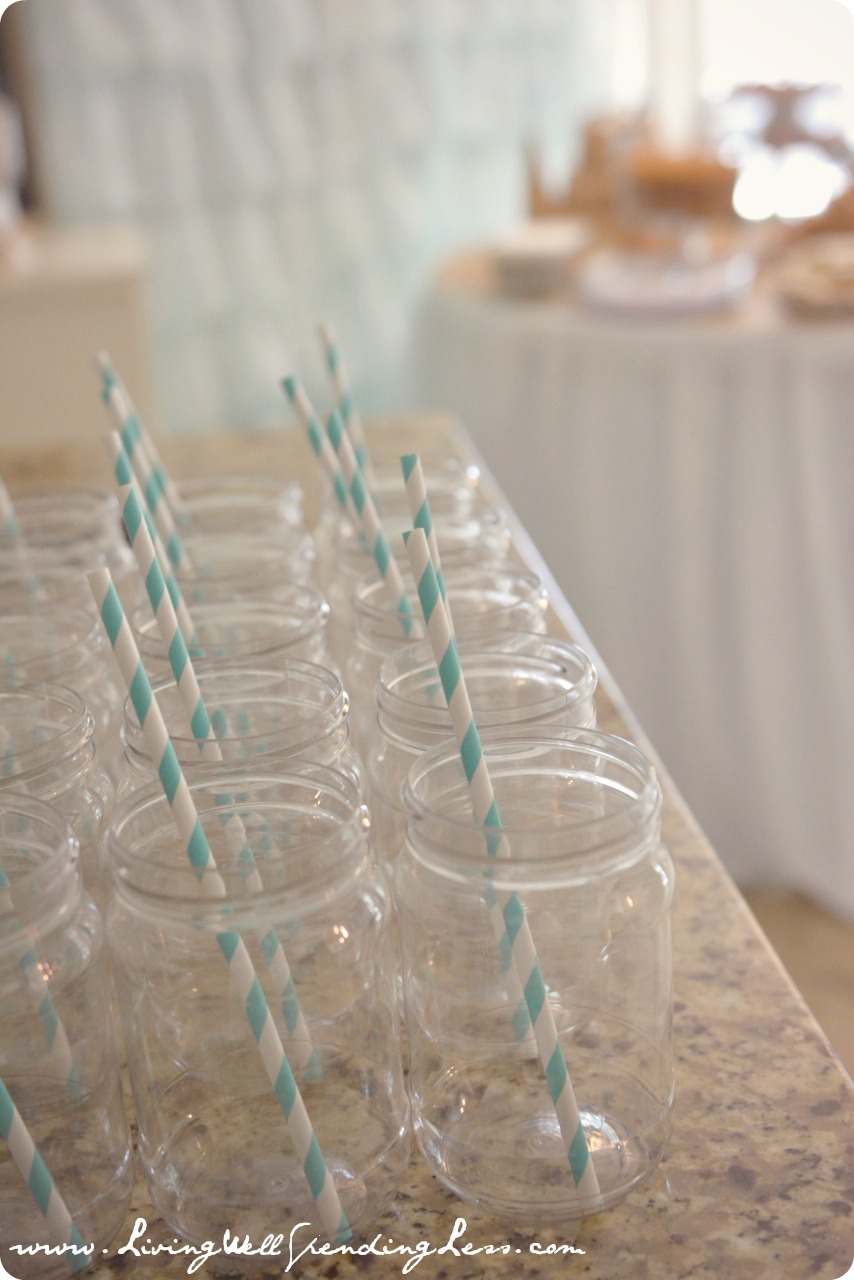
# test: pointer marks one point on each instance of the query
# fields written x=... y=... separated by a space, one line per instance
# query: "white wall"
x=297 y=159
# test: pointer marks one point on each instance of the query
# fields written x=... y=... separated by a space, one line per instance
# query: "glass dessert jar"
x=268 y=716
x=256 y=632
x=64 y=643
x=454 y=495
x=475 y=542
x=64 y=533
x=216 y=1149
x=580 y=869
x=47 y=749
x=224 y=505
x=516 y=680
x=242 y=567
x=58 y=1060
x=504 y=598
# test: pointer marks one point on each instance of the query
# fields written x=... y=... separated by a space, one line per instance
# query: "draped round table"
x=689 y=481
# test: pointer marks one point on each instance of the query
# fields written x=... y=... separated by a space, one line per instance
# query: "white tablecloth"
x=689 y=482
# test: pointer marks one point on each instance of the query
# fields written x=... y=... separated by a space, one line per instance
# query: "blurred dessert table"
x=688 y=480
x=758 y=1182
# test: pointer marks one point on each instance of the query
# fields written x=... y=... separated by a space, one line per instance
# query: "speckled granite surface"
x=758 y=1181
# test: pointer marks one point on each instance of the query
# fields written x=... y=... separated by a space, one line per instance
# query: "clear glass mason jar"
x=58 y=1055
x=223 y=505
x=268 y=716
x=242 y=567
x=581 y=820
x=516 y=680
x=65 y=643
x=502 y=597
x=66 y=532
x=474 y=542
x=454 y=495
x=255 y=632
x=47 y=749
x=213 y=1142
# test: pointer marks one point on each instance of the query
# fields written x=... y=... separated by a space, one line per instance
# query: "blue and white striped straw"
x=55 y=1036
x=419 y=510
x=298 y=397
x=161 y=478
x=370 y=521
x=130 y=432
x=346 y=406
x=124 y=476
x=37 y=1177
x=506 y=909
x=302 y=1052
x=230 y=942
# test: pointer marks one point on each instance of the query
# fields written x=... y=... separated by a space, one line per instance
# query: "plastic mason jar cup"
x=58 y=1057
x=65 y=643
x=213 y=1140
x=473 y=542
x=517 y=681
x=223 y=505
x=243 y=567
x=453 y=490
x=247 y=631
x=580 y=873
x=47 y=749
x=503 y=598
x=261 y=716
x=66 y=532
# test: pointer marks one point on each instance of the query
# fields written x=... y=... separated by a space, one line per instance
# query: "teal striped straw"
x=419 y=510
x=55 y=1036
x=298 y=397
x=370 y=520
x=37 y=1177
x=160 y=476
x=515 y=943
x=346 y=406
x=305 y=1056
x=124 y=476
x=130 y=431
x=231 y=944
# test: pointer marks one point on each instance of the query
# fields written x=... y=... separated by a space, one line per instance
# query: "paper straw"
x=370 y=520
x=346 y=406
x=162 y=479
x=8 y=518
x=55 y=1037
x=304 y=1055
x=419 y=510
x=130 y=431
x=298 y=397
x=231 y=944
x=124 y=476
x=36 y=1175
x=509 y=920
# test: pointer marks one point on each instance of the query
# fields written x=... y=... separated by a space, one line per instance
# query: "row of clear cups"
x=367 y=907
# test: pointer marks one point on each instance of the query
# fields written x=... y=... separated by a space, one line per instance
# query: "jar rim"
x=133 y=869
x=220 y=671
x=74 y=735
x=372 y=603
x=588 y=839
x=47 y=830
x=62 y=617
x=401 y=683
x=289 y=595
x=456 y=533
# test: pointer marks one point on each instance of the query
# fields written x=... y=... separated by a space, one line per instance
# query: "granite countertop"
x=758 y=1180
